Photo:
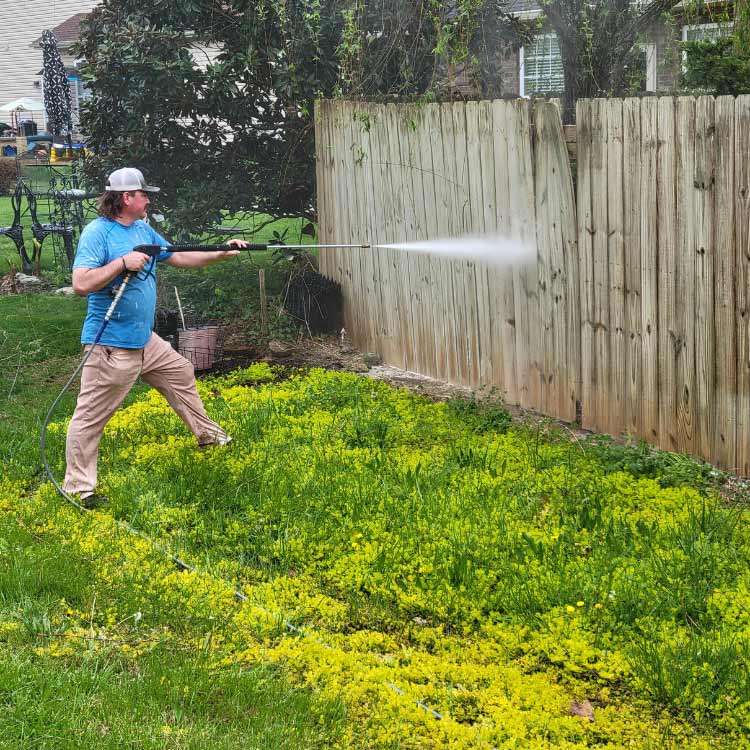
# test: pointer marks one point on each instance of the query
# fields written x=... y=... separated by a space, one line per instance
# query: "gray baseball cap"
x=128 y=178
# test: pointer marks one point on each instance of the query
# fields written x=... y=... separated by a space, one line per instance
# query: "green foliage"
x=641 y=460
x=717 y=67
x=234 y=130
x=85 y=690
x=397 y=508
x=482 y=416
x=599 y=45
x=7 y=174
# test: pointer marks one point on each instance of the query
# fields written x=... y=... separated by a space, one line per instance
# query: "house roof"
x=66 y=32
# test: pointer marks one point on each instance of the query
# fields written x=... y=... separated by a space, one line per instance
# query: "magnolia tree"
x=214 y=98
x=599 y=44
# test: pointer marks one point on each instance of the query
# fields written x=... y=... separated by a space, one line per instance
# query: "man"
x=128 y=347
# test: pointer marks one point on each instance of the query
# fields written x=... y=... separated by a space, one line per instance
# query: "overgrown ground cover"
x=96 y=687
x=495 y=573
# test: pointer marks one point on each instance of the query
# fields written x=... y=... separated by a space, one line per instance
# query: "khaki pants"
x=107 y=377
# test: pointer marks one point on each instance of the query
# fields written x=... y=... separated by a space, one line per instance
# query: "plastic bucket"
x=198 y=345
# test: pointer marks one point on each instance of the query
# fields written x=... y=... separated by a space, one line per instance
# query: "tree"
x=236 y=132
x=230 y=133
x=721 y=66
x=598 y=44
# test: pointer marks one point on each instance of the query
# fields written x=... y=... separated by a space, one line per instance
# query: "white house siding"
x=21 y=23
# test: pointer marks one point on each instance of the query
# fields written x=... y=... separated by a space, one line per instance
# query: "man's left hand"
x=232 y=253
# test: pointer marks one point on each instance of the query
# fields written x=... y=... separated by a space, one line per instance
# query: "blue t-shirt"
x=101 y=242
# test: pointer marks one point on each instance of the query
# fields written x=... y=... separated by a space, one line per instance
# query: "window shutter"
x=542 y=66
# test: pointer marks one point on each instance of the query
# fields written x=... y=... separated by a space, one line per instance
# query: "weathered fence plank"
x=648 y=379
x=558 y=291
x=704 y=257
x=667 y=231
x=615 y=393
x=584 y=117
x=504 y=359
x=725 y=425
x=633 y=210
x=684 y=294
x=639 y=306
x=599 y=418
x=742 y=279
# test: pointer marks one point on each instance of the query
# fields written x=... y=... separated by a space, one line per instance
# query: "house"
x=536 y=69
x=21 y=25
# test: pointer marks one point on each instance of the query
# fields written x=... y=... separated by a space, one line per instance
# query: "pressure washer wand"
x=152 y=250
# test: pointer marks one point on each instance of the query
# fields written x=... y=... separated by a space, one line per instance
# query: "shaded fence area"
x=636 y=317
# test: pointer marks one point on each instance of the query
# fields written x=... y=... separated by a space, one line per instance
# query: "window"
x=541 y=66
x=702 y=32
x=78 y=94
x=527 y=8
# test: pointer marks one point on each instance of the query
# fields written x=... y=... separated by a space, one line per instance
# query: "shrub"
x=7 y=174
x=715 y=67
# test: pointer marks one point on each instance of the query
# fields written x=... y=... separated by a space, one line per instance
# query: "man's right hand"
x=135 y=261
x=88 y=280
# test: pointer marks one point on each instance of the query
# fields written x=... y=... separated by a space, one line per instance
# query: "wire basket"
x=202 y=345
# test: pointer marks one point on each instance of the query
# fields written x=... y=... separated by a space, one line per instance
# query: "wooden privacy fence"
x=638 y=310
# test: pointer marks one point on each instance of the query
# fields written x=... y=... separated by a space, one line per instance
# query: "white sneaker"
x=221 y=439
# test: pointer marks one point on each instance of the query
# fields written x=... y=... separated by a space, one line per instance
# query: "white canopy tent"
x=35 y=107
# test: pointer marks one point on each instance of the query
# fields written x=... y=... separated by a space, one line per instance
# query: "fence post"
x=263 y=301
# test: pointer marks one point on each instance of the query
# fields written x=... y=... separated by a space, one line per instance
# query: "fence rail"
x=638 y=310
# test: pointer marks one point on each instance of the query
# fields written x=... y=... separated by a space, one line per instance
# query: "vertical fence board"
x=668 y=339
x=431 y=286
x=555 y=228
x=341 y=227
x=615 y=394
x=584 y=116
x=439 y=229
x=323 y=193
x=526 y=299
x=704 y=255
x=633 y=210
x=369 y=228
x=327 y=195
x=742 y=279
x=413 y=225
x=504 y=356
x=725 y=329
x=393 y=347
x=649 y=270
x=473 y=225
x=357 y=321
x=462 y=218
x=378 y=222
x=450 y=185
x=544 y=192
x=601 y=322
x=486 y=273
x=684 y=319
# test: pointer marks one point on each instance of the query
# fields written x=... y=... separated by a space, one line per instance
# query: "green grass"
x=39 y=349
x=355 y=508
x=102 y=698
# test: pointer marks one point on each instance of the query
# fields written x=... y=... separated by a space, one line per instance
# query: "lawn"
x=532 y=590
